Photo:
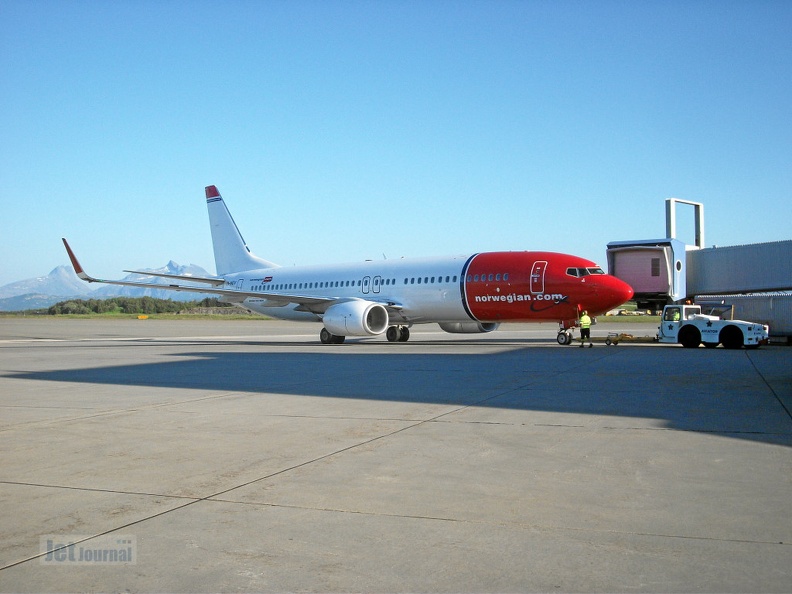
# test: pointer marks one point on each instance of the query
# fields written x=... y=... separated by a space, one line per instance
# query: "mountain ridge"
x=62 y=283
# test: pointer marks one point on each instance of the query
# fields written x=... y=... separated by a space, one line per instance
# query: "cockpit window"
x=581 y=272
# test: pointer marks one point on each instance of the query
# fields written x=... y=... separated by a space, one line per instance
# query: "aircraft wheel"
x=564 y=338
x=393 y=334
x=404 y=334
x=327 y=338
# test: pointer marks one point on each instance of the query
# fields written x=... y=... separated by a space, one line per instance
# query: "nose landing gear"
x=565 y=332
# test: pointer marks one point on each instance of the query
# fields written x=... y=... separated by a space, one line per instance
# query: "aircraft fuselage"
x=489 y=287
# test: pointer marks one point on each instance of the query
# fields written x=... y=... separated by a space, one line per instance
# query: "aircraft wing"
x=310 y=303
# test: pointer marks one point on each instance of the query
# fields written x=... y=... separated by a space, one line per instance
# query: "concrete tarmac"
x=223 y=456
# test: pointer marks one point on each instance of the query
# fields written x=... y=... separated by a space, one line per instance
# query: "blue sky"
x=343 y=130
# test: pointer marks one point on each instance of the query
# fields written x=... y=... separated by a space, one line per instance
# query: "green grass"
x=127 y=316
x=629 y=319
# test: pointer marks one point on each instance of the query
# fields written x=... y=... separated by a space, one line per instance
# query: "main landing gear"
x=397 y=334
x=393 y=334
x=328 y=338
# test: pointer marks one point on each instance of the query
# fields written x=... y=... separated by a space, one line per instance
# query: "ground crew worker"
x=585 y=328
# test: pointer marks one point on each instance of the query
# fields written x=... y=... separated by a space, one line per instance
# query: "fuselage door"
x=366 y=285
x=375 y=288
x=538 y=276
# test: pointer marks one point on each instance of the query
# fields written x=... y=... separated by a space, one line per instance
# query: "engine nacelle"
x=468 y=327
x=356 y=318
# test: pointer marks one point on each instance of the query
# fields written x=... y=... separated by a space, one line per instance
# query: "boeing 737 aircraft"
x=463 y=294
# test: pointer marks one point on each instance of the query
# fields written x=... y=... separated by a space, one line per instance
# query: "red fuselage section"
x=525 y=286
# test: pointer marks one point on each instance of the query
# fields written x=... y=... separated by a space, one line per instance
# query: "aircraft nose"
x=622 y=292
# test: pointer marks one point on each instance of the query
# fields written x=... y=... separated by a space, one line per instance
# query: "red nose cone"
x=613 y=292
x=623 y=291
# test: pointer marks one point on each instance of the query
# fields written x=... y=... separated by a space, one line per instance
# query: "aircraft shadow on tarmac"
x=718 y=392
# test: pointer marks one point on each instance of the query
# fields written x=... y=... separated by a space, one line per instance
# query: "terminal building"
x=753 y=282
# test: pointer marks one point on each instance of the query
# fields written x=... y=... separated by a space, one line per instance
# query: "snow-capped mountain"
x=170 y=268
x=63 y=283
x=60 y=282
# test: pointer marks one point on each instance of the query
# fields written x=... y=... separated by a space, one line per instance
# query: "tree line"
x=129 y=305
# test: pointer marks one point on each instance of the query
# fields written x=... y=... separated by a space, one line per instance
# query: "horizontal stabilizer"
x=194 y=279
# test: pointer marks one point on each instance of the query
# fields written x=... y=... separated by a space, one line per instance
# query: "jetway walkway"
x=663 y=271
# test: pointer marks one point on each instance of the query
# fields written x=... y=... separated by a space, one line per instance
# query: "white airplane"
x=468 y=293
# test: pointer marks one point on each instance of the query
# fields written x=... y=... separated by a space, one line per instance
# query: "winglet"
x=77 y=268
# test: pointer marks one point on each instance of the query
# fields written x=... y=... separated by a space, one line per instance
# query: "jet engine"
x=468 y=327
x=356 y=318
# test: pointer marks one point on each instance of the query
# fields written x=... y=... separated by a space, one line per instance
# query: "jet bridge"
x=656 y=269
x=663 y=271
